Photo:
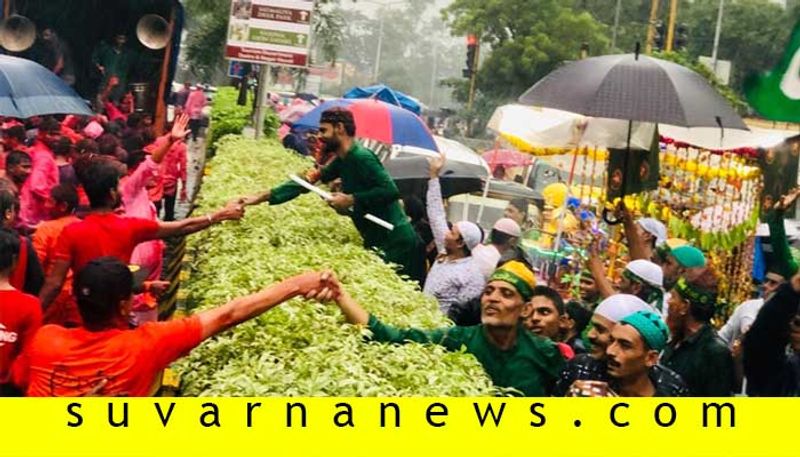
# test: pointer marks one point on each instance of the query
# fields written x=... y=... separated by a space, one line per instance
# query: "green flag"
x=775 y=95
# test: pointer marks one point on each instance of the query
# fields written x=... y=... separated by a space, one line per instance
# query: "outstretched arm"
x=188 y=226
x=242 y=309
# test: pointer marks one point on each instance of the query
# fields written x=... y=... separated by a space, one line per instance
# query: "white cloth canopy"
x=530 y=127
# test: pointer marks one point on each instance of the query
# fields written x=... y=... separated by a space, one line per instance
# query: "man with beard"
x=104 y=233
x=35 y=194
x=18 y=169
x=585 y=371
x=366 y=189
x=512 y=356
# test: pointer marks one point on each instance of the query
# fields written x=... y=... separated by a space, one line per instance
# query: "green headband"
x=634 y=277
x=655 y=295
x=694 y=295
x=522 y=287
x=653 y=330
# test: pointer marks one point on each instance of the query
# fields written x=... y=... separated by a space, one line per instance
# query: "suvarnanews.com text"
x=297 y=414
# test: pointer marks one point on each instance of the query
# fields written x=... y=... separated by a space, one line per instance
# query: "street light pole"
x=651 y=27
x=717 y=33
x=673 y=16
x=378 y=53
x=616 y=25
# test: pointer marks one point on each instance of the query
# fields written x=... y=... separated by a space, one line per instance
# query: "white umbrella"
x=528 y=127
x=712 y=139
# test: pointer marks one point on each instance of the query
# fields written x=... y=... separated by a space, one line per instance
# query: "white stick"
x=327 y=196
x=379 y=221
x=310 y=187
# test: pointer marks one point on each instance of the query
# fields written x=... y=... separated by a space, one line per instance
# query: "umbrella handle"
x=609 y=221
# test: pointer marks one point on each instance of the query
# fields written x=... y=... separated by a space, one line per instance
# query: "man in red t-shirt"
x=20 y=314
x=101 y=359
x=104 y=233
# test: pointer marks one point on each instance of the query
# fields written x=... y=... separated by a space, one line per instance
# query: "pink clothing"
x=137 y=203
x=36 y=191
x=195 y=104
x=114 y=113
x=172 y=170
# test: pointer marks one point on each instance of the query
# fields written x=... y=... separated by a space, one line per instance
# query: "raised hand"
x=786 y=200
x=179 y=128
x=435 y=165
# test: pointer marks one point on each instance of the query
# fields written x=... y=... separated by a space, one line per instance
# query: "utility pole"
x=261 y=103
x=673 y=15
x=378 y=53
x=474 y=76
x=651 y=28
x=616 y=25
x=717 y=33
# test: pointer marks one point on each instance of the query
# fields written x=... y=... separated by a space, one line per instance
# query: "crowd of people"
x=80 y=260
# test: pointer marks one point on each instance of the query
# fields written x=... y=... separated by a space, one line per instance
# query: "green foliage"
x=207 y=22
x=414 y=66
x=754 y=32
x=303 y=348
x=228 y=118
x=683 y=58
x=528 y=39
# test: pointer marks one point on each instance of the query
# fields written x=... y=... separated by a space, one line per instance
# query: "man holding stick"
x=368 y=193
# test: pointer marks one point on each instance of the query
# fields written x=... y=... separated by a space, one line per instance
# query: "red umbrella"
x=506 y=158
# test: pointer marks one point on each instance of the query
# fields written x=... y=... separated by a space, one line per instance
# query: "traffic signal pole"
x=473 y=78
x=651 y=28
x=673 y=15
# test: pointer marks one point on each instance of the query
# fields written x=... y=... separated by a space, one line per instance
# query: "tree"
x=522 y=41
x=682 y=58
x=754 y=32
x=415 y=54
x=527 y=38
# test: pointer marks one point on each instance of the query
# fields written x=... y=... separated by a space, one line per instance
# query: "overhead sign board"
x=270 y=32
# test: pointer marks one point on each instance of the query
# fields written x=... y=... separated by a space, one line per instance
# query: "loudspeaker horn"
x=153 y=31
x=17 y=33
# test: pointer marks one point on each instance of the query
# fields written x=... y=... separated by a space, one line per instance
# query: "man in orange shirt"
x=20 y=313
x=64 y=201
x=101 y=359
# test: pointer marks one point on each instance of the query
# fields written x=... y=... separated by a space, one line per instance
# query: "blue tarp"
x=386 y=94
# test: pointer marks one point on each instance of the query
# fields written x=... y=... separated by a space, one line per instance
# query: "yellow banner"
x=398 y=427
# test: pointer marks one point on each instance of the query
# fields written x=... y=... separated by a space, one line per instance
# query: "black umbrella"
x=28 y=89
x=634 y=88
x=411 y=176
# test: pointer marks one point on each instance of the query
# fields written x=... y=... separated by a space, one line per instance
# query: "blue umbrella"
x=387 y=94
x=377 y=120
x=28 y=89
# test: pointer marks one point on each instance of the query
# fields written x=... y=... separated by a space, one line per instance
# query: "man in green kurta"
x=366 y=189
x=114 y=61
x=512 y=356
